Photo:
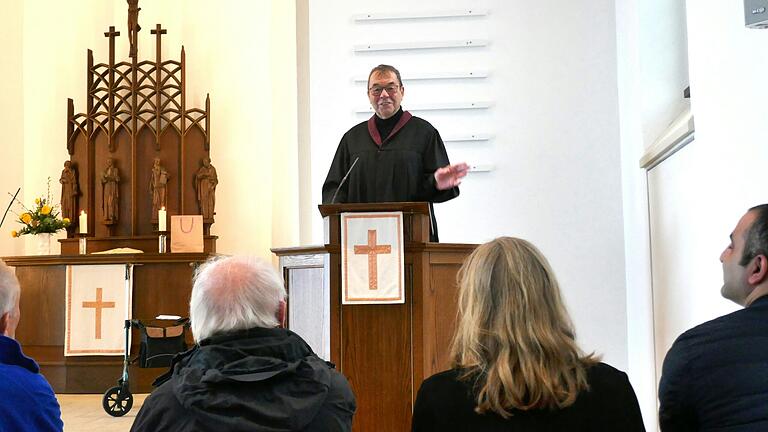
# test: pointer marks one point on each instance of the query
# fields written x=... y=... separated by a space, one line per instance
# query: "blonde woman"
x=516 y=365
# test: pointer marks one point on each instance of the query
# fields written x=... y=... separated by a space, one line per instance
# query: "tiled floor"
x=84 y=413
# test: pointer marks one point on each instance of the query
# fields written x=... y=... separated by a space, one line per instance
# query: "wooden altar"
x=161 y=285
x=384 y=350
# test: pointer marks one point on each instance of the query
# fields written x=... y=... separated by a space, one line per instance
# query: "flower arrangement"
x=43 y=218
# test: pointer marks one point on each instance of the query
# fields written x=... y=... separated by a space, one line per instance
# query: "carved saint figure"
x=157 y=187
x=69 y=191
x=133 y=25
x=206 y=180
x=110 y=179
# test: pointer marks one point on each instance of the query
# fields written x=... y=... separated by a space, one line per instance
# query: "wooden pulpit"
x=384 y=350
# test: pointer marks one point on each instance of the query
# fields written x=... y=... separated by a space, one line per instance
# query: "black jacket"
x=446 y=404
x=715 y=376
x=252 y=380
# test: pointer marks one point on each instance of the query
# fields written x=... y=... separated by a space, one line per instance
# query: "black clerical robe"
x=396 y=168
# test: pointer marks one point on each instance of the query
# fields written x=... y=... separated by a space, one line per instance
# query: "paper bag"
x=187 y=233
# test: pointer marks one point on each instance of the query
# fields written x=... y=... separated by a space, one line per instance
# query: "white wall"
x=653 y=71
x=242 y=52
x=636 y=234
x=557 y=177
x=699 y=194
x=663 y=69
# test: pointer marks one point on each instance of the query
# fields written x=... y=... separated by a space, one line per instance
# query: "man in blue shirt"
x=27 y=402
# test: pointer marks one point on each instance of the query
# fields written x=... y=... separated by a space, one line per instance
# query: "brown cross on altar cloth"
x=98 y=305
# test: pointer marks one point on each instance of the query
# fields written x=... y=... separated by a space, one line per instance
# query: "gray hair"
x=9 y=289
x=234 y=293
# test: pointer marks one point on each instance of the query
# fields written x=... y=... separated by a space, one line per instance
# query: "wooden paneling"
x=376 y=359
x=41 y=303
x=444 y=289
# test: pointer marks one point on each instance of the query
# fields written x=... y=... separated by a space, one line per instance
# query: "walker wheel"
x=117 y=402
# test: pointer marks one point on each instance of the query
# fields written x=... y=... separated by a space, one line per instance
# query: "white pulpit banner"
x=98 y=303
x=372 y=258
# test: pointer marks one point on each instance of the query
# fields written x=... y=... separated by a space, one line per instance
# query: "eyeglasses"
x=376 y=90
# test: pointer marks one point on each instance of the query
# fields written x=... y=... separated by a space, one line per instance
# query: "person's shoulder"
x=444 y=381
x=418 y=121
x=339 y=385
x=163 y=396
x=161 y=410
x=353 y=134
x=605 y=381
x=603 y=373
x=19 y=377
x=362 y=126
x=449 y=375
x=728 y=325
x=448 y=390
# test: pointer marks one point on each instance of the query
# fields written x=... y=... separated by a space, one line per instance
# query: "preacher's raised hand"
x=450 y=176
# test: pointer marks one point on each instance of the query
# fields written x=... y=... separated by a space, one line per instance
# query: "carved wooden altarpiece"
x=136 y=118
x=136 y=112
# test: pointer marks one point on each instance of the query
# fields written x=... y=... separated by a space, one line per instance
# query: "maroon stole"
x=374 y=132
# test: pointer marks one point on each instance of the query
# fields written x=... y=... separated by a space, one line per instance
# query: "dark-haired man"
x=715 y=376
x=398 y=157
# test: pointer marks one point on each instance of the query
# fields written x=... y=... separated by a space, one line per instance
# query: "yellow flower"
x=26 y=218
x=37 y=200
x=66 y=221
x=45 y=210
x=14 y=233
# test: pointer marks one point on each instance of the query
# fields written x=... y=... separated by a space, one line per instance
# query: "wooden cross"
x=158 y=31
x=112 y=34
x=372 y=250
x=98 y=305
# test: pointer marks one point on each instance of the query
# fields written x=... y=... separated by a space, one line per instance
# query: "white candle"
x=83 y=222
x=162 y=217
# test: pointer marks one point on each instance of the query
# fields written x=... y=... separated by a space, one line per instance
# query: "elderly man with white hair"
x=246 y=372
x=27 y=402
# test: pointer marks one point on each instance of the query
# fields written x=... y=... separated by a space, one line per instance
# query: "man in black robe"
x=397 y=157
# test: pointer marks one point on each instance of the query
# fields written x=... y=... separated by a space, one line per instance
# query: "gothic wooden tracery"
x=137 y=113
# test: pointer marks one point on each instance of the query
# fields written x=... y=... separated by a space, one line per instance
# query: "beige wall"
x=242 y=52
x=11 y=117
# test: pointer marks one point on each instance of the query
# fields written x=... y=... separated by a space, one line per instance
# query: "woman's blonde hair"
x=515 y=340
